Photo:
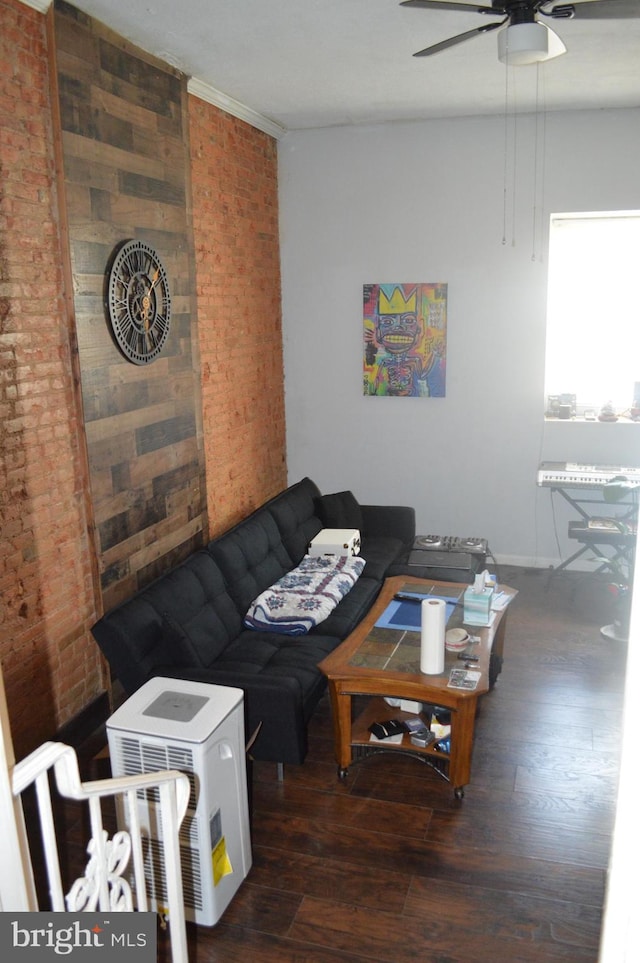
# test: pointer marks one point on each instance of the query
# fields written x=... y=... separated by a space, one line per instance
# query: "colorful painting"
x=405 y=340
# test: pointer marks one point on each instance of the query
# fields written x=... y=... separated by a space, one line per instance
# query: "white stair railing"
x=103 y=885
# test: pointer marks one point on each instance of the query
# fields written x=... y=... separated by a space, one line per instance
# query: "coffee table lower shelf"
x=362 y=747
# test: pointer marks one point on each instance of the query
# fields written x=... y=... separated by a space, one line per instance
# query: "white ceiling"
x=318 y=63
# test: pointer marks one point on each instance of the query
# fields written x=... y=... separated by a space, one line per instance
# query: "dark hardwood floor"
x=388 y=866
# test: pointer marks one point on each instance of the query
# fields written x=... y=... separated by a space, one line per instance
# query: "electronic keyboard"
x=563 y=474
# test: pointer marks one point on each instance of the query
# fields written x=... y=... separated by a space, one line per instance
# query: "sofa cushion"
x=305 y=596
x=282 y=683
x=199 y=617
x=251 y=557
x=184 y=618
x=180 y=650
x=351 y=610
x=274 y=655
x=389 y=521
x=380 y=552
x=340 y=510
x=294 y=512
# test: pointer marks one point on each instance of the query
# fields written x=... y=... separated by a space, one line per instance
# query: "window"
x=593 y=309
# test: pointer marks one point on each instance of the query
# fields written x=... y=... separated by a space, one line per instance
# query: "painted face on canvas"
x=398 y=333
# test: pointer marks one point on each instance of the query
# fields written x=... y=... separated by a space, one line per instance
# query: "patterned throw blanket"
x=305 y=596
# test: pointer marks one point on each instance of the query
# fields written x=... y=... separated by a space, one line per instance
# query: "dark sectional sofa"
x=189 y=623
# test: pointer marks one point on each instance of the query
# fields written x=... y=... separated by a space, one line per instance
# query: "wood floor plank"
x=510 y=916
x=597 y=785
x=387 y=851
x=520 y=837
x=277 y=872
x=353 y=930
x=264 y=910
x=234 y=944
x=286 y=800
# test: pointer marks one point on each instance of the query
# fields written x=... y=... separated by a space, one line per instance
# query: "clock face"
x=138 y=302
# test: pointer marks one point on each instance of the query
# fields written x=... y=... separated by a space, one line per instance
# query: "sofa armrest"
x=392 y=521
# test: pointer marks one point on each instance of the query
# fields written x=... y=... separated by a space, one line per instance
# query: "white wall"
x=424 y=202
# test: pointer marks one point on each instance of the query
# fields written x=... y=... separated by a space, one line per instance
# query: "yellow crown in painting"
x=397 y=303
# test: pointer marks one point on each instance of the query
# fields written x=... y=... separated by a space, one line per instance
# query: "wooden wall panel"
x=125 y=155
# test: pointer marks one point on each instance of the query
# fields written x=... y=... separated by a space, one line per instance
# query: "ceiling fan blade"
x=450 y=5
x=452 y=41
x=596 y=10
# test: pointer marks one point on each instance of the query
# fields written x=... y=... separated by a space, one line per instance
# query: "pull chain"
x=539 y=164
x=505 y=188
x=506 y=154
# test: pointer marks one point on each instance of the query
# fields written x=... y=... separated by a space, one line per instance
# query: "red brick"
x=234 y=187
x=45 y=573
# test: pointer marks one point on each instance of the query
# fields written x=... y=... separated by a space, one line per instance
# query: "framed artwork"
x=405 y=340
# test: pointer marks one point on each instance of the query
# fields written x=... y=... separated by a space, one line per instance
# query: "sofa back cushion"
x=294 y=512
x=199 y=616
x=184 y=618
x=340 y=510
x=251 y=557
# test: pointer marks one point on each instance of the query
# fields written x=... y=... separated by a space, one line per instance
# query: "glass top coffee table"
x=384 y=661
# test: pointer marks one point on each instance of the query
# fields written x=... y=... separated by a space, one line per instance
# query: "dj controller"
x=449 y=552
x=450 y=543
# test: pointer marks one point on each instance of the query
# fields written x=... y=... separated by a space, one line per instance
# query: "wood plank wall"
x=124 y=124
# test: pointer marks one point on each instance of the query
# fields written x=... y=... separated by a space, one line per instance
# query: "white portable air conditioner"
x=198 y=729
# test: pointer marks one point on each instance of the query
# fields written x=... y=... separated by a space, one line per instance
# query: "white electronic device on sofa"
x=335 y=541
x=199 y=729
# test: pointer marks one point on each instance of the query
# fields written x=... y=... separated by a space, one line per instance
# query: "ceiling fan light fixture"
x=528 y=43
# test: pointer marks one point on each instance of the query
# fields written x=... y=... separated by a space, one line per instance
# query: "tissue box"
x=477 y=605
x=335 y=541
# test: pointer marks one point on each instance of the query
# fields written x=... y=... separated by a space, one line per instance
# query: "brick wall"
x=50 y=664
x=235 y=224
x=48 y=573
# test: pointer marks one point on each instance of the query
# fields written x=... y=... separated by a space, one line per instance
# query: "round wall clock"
x=139 y=302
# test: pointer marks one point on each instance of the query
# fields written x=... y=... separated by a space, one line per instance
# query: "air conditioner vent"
x=136 y=757
x=189 y=833
x=156 y=879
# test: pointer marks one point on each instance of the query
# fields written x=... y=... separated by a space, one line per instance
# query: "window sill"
x=620 y=420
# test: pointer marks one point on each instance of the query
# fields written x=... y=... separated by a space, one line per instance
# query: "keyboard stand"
x=624 y=544
x=594 y=539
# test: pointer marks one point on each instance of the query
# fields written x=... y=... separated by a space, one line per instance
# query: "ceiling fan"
x=525 y=40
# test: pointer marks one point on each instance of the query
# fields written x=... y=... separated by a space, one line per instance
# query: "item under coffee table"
x=383 y=662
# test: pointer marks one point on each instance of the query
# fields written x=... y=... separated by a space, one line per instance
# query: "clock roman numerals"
x=139 y=302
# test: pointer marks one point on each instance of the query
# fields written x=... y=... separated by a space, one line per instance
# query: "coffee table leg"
x=463 y=722
x=341 y=711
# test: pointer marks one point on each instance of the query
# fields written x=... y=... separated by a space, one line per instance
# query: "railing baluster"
x=103 y=883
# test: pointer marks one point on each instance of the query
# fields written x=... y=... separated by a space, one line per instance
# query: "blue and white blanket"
x=306 y=595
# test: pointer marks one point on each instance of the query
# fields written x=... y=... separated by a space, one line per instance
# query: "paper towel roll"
x=433 y=623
